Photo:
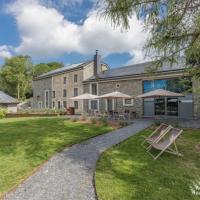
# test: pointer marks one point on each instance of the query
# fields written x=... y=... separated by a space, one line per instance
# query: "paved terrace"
x=69 y=175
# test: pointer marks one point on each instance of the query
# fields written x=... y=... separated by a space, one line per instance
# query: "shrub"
x=123 y=124
x=104 y=121
x=3 y=112
x=74 y=119
x=93 y=120
x=82 y=118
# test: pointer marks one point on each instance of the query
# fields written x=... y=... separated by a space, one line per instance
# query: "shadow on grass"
x=128 y=172
x=25 y=144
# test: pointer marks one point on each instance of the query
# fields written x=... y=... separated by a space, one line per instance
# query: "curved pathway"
x=69 y=174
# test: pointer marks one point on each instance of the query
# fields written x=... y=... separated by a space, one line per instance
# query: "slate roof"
x=136 y=69
x=5 y=98
x=63 y=69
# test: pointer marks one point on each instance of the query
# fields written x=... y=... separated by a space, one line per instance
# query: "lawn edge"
x=43 y=163
x=94 y=175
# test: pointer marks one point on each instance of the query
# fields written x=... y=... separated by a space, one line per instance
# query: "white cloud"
x=5 y=52
x=45 y=32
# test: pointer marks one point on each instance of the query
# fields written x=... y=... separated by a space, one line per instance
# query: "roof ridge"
x=133 y=65
x=63 y=68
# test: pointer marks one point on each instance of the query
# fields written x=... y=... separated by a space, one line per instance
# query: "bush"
x=93 y=120
x=74 y=119
x=3 y=112
x=123 y=124
x=82 y=118
x=104 y=121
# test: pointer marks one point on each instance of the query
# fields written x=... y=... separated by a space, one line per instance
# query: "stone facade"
x=55 y=85
x=39 y=88
x=86 y=75
x=130 y=87
x=196 y=97
x=58 y=86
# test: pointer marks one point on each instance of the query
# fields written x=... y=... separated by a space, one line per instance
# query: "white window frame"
x=74 y=92
x=74 y=78
x=46 y=106
x=131 y=104
x=78 y=104
x=53 y=92
x=106 y=104
x=97 y=87
x=90 y=89
x=64 y=80
x=90 y=105
x=63 y=93
x=53 y=106
x=39 y=105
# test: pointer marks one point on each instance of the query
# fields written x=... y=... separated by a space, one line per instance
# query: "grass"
x=126 y=172
x=25 y=143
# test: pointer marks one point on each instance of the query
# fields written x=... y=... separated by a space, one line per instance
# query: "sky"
x=67 y=31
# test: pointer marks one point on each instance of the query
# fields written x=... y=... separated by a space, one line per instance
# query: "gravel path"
x=69 y=174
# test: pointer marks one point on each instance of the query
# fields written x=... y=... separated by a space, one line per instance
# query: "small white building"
x=8 y=102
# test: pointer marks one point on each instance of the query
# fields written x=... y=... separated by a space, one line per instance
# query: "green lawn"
x=26 y=143
x=126 y=172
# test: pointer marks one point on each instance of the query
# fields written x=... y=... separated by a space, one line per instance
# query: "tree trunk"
x=18 y=88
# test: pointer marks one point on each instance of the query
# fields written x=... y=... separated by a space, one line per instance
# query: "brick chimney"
x=97 y=64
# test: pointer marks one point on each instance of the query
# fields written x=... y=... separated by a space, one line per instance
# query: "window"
x=128 y=102
x=53 y=94
x=94 y=88
x=53 y=104
x=59 y=106
x=47 y=99
x=75 y=92
x=179 y=85
x=64 y=80
x=117 y=85
x=76 y=104
x=39 y=105
x=75 y=78
x=64 y=104
x=64 y=93
x=94 y=104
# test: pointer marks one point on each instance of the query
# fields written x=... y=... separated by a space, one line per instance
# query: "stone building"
x=97 y=78
x=55 y=88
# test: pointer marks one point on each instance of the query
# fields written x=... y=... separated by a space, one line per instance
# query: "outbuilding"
x=8 y=102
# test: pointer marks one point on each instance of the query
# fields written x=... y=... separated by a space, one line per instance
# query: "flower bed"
x=12 y=115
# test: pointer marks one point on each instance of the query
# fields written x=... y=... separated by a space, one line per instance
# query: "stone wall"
x=129 y=87
x=196 y=97
x=58 y=86
x=39 y=88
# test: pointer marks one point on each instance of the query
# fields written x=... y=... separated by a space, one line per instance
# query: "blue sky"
x=65 y=31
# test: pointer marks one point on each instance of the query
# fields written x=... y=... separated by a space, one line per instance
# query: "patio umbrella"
x=160 y=93
x=85 y=96
x=114 y=95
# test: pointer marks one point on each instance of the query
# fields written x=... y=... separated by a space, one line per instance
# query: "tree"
x=45 y=67
x=174 y=26
x=16 y=76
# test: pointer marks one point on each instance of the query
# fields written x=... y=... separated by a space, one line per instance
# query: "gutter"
x=134 y=76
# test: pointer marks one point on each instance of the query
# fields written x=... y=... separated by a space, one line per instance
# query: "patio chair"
x=164 y=144
x=156 y=135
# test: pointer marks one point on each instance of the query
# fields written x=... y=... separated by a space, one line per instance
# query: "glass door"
x=172 y=106
x=109 y=104
x=159 y=106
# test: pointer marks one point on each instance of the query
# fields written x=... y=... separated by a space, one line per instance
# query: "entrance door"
x=109 y=104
